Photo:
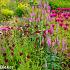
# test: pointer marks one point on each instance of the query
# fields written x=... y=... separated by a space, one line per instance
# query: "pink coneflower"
x=52 y=25
x=59 y=19
x=61 y=24
x=53 y=15
x=65 y=27
x=53 y=11
x=67 y=24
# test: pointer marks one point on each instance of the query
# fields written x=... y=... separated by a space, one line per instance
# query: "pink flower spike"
x=38 y=19
x=45 y=5
x=49 y=41
x=31 y=19
x=32 y=14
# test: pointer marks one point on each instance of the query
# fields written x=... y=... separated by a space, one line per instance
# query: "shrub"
x=22 y=9
x=59 y=3
x=7 y=13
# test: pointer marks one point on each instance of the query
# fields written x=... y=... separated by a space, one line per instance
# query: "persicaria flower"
x=31 y=19
x=32 y=14
x=43 y=11
x=51 y=30
x=38 y=19
x=49 y=41
x=45 y=5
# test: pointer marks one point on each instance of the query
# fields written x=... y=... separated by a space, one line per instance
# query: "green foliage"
x=7 y=13
x=59 y=3
x=22 y=9
x=34 y=2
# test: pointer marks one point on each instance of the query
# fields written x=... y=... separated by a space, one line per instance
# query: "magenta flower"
x=5 y=28
x=53 y=11
x=53 y=15
x=65 y=27
x=61 y=24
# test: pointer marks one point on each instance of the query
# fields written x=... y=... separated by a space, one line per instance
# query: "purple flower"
x=32 y=14
x=45 y=5
x=49 y=41
x=57 y=41
x=5 y=28
x=38 y=19
x=43 y=11
x=64 y=45
x=31 y=19
x=48 y=9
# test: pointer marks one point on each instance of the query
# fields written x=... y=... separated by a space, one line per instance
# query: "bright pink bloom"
x=53 y=15
x=5 y=28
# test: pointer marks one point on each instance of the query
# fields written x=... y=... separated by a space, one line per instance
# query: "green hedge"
x=59 y=3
